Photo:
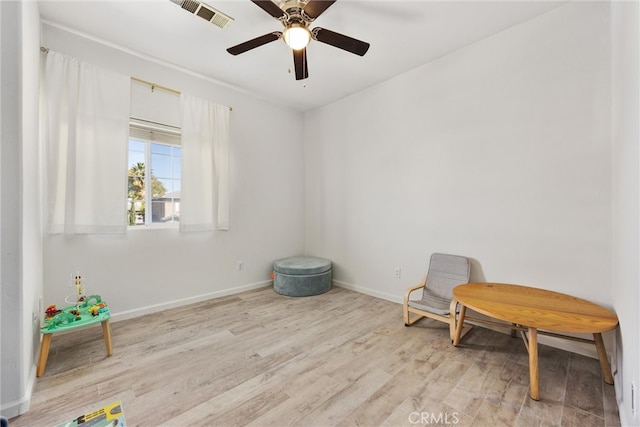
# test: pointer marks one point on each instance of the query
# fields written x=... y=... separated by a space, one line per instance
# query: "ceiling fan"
x=296 y=16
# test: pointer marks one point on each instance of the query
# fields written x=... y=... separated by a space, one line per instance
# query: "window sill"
x=173 y=226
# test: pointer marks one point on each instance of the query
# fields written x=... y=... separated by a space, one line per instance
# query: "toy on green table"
x=80 y=297
x=97 y=308
x=81 y=307
x=51 y=311
x=61 y=319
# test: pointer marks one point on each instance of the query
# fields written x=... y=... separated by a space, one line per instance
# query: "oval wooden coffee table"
x=529 y=310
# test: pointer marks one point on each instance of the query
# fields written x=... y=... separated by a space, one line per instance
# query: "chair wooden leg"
x=408 y=321
x=405 y=315
x=452 y=327
x=405 y=304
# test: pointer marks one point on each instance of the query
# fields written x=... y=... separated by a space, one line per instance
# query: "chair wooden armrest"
x=412 y=289
x=452 y=308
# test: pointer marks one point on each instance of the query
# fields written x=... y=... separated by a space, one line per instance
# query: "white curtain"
x=204 y=195
x=86 y=114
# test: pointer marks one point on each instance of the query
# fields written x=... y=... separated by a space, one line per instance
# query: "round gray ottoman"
x=302 y=276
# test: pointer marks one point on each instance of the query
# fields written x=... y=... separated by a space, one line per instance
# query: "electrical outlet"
x=239 y=265
x=396 y=272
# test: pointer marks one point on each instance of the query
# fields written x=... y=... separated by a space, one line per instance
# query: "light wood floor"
x=337 y=359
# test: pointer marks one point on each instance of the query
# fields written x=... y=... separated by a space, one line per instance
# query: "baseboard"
x=370 y=292
x=584 y=349
x=563 y=344
x=10 y=410
x=18 y=407
x=129 y=314
x=21 y=406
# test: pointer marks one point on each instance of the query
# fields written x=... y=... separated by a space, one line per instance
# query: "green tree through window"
x=136 y=192
x=153 y=193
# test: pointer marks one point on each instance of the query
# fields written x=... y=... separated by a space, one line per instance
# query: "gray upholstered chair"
x=445 y=273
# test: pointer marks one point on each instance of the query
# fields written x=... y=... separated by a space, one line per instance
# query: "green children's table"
x=73 y=317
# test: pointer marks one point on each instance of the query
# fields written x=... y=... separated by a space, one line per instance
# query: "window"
x=153 y=196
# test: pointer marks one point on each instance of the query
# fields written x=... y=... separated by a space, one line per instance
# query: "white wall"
x=499 y=151
x=31 y=188
x=12 y=383
x=626 y=201
x=21 y=239
x=145 y=270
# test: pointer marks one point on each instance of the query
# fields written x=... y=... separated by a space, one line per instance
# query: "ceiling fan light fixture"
x=297 y=36
x=296 y=16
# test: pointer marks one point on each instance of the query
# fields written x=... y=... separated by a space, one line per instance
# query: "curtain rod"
x=155 y=86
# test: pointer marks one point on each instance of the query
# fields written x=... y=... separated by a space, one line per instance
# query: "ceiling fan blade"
x=300 y=64
x=314 y=8
x=270 y=7
x=253 y=43
x=340 y=41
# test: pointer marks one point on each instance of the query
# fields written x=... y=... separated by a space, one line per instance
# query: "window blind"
x=152 y=131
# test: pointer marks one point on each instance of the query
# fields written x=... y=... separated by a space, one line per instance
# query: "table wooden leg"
x=44 y=354
x=106 y=331
x=514 y=332
x=602 y=356
x=533 y=363
x=460 y=325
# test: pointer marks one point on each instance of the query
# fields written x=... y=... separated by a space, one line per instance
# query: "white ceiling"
x=402 y=34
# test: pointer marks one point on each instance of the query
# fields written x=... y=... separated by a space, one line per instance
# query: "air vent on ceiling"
x=205 y=12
